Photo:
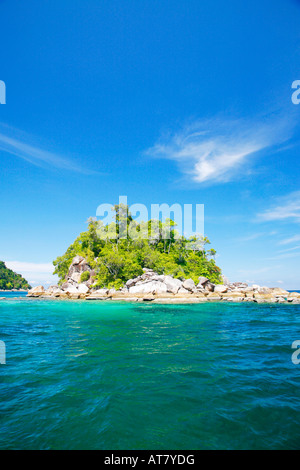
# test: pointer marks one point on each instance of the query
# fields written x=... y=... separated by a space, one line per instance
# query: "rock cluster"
x=151 y=286
x=78 y=267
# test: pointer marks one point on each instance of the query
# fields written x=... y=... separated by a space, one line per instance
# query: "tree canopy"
x=10 y=280
x=119 y=251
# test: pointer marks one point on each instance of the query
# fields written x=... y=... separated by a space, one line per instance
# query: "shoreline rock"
x=152 y=287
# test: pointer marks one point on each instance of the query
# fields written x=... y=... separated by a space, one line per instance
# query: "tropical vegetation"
x=120 y=250
x=10 y=280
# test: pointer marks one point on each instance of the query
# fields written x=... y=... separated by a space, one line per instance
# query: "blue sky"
x=169 y=101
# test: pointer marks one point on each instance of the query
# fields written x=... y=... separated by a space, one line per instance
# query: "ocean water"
x=105 y=375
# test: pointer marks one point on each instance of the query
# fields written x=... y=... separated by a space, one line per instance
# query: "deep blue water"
x=104 y=375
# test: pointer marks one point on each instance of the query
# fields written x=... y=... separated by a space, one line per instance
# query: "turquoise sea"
x=105 y=375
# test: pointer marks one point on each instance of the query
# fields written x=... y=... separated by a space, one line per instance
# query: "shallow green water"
x=99 y=375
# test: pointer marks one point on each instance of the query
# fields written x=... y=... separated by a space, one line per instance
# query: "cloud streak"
x=287 y=241
x=287 y=208
x=19 y=144
x=285 y=256
x=216 y=151
x=255 y=236
x=290 y=249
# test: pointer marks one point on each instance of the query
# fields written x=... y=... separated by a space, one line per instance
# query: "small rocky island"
x=153 y=287
x=147 y=261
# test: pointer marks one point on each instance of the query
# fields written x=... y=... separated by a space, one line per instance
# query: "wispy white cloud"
x=290 y=249
x=218 y=150
x=255 y=236
x=295 y=254
x=256 y=271
x=249 y=238
x=21 y=145
x=287 y=241
x=287 y=207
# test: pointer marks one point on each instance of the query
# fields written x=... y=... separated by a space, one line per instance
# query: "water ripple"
x=132 y=376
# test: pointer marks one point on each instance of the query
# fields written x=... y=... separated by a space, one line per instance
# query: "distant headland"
x=11 y=281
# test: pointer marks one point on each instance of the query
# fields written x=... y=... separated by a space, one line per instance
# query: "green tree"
x=11 y=280
x=120 y=250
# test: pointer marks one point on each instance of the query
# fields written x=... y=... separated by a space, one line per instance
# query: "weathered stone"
x=77 y=259
x=130 y=283
x=149 y=298
x=66 y=285
x=294 y=295
x=74 y=296
x=75 y=277
x=248 y=289
x=173 y=285
x=154 y=277
x=189 y=285
x=221 y=289
x=264 y=290
x=202 y=280
x=200 y=289
x=125 y=290
x=239 y=285
x=265 y=297
x=182 y=290
x=79 y=265
x=200 y=295
x=53 y=291
x=235 y=296
x=101 y=292
x=209 y=286
x=150 y=287
x=250 y=295
x=83 y=289
x=36 y=291
x=72 y=290
x=279 y=291
x=233 y=299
